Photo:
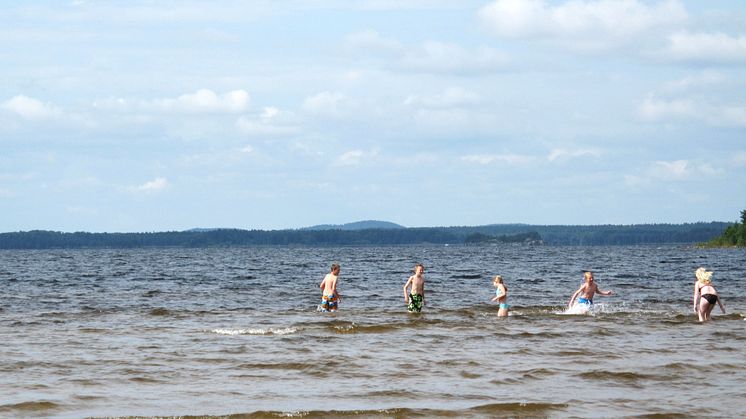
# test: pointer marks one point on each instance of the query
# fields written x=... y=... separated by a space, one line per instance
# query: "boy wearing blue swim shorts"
x=587 y=290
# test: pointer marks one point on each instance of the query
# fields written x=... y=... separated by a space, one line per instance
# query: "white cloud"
x=30 y=108
x=6 y=193
x=270 y=122
x=327 y=103
x=653 y=109
x=355 y=157
x=585 y=24
x=201 y=101
x=739 y=159
x=154 y=185
x=450 y=58
x=368 y=41
x=560 y=154
x=707 y=47
x=704 y=79
x=453 y=97
x=672 y=171
x=509 y=159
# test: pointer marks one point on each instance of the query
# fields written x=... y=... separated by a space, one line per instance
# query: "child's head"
x=703 y=276
x=588 y=275
x=419 y=268
x=335 y=268
x=498 y=280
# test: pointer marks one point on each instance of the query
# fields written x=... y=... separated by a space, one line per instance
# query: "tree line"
x=480 y=235
x=734 y=235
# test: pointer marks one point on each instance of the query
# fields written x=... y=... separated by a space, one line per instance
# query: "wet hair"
x=420 y=265
x=703 y=276
x=335 y=266
x=498 y=280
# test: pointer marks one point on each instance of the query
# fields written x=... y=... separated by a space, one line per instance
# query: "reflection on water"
x=225 y=331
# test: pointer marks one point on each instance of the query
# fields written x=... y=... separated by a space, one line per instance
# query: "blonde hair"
x=498 y=280
x=703 y=276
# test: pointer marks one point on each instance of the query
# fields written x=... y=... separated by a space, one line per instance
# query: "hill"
x=357 y=225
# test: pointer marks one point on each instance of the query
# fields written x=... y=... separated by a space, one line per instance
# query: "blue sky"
x=168 y=115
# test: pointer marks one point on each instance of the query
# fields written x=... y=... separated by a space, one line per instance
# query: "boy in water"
x=587 y=290
x=329 y=295
x=415 y=298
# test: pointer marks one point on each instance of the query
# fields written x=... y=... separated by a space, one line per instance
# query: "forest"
x=497 y=234
x=734 y=235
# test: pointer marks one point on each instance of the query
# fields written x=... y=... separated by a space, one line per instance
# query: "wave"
x=255 y=331
x=30 y=407
x=512 y=409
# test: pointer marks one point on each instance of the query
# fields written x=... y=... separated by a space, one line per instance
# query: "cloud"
x=704 y=79
x=355 y=157
x=706 y=47
x=31 y=109
x=327 y=104
x=369 y=41
x=450 y=58
x=563 y=154
x=6 y=193
x=654 y=110
x=429 y=57
x=203 y=101
x=509 y=159
x=585 y=24
x=672 y=171
x=270 y=122
x=154 y=185
x=739 y=159
x=453 y=97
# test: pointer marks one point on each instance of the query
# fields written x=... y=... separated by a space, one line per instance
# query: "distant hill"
x=358 y=225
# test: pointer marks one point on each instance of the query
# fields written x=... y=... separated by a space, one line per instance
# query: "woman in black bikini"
x=705 y=295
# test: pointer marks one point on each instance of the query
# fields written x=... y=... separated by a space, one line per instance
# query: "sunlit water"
x=161 y=332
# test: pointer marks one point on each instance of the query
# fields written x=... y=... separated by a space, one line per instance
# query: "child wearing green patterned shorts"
x=415 y=296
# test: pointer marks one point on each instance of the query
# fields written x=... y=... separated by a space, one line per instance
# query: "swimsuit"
x=711 y=298
x=329 y=302
x=415 y=303
x=499 y=294
x=582 y=300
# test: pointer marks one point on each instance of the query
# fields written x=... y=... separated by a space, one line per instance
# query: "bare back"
x=329 y=284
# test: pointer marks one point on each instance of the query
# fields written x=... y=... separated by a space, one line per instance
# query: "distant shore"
x=592 y=235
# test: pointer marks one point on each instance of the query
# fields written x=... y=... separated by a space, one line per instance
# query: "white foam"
x=258 y=331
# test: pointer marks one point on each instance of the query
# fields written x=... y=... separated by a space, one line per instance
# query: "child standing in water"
x=501 y=296
x=415 y=298
x=586 y=291
x=705 y=295
x=329 y=295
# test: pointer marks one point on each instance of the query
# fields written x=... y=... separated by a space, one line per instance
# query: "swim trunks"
x=329 y=302
x=415 y=303
x=504 y=305
x=711 y=298
x=585 y=301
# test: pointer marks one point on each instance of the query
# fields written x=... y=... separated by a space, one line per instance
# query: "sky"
x=124 y=116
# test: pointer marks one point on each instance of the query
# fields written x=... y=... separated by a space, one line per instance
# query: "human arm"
x=323 y=283
x=574 y=295
x=406 y=295
x=695 y=299
x=720 y=303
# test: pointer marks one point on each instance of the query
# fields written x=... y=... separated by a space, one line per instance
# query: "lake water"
x=235 y=331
